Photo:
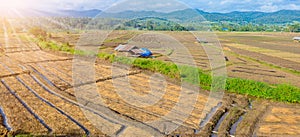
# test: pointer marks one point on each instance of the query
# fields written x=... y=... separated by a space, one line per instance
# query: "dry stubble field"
x=38 y=95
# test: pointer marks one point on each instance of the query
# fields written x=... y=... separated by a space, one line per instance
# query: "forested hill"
x=279 y=17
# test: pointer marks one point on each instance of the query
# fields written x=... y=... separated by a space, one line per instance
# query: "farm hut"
x=296 y=39
x=143 y=52
x=136 y=52
x=225 y=29
x=125 y=48
x=146 y=53
x=202 y=40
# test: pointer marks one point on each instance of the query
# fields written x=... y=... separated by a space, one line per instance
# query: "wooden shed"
x=125 y=48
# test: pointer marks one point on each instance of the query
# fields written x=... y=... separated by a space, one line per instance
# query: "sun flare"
x=6 y=4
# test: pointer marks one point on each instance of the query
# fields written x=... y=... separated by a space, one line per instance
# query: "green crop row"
x=282 y=92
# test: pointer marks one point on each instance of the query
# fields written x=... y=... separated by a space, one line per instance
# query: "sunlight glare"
x=6 y=4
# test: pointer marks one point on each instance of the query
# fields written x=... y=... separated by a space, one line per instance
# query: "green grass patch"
x=59 y=47
x=282 y=92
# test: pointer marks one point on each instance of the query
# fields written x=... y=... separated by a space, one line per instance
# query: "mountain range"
x=279 y=17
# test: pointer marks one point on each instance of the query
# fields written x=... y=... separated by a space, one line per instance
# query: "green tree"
x=295 y=27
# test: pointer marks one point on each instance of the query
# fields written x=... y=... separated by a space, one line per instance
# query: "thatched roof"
x=125 y=48
x=296 y=38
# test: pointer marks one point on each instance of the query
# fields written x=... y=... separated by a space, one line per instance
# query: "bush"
x=38 y=32
x=283 y=92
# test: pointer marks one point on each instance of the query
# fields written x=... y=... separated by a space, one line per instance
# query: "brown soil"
x=280 y=120
x=273 y=60
x=247 y=69
x=19 y=118
x=273 y=41
x=3 y=130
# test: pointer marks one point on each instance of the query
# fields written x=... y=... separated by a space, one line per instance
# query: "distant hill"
x=63 y=13
x=85 y=13
x=282 y=16
x=279 y=17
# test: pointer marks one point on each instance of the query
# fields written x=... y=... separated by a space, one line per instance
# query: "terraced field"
x=39 y=97
x=39 y=91
x=245 y=58
x=275 y=48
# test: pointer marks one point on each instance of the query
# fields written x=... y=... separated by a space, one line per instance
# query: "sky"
x=206 y=5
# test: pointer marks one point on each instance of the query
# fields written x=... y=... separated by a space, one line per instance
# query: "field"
x=250 y=55
x=273 y=50
x=39 y=94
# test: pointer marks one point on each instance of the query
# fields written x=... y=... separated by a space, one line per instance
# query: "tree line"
x=161 y=24
x=251 y=27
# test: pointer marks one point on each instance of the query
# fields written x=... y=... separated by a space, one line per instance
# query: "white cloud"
x=244 y=5
x=269 y=8
x=153 y=5
x=293 y=7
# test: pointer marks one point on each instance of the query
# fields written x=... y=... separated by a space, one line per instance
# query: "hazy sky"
x=206 y=5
